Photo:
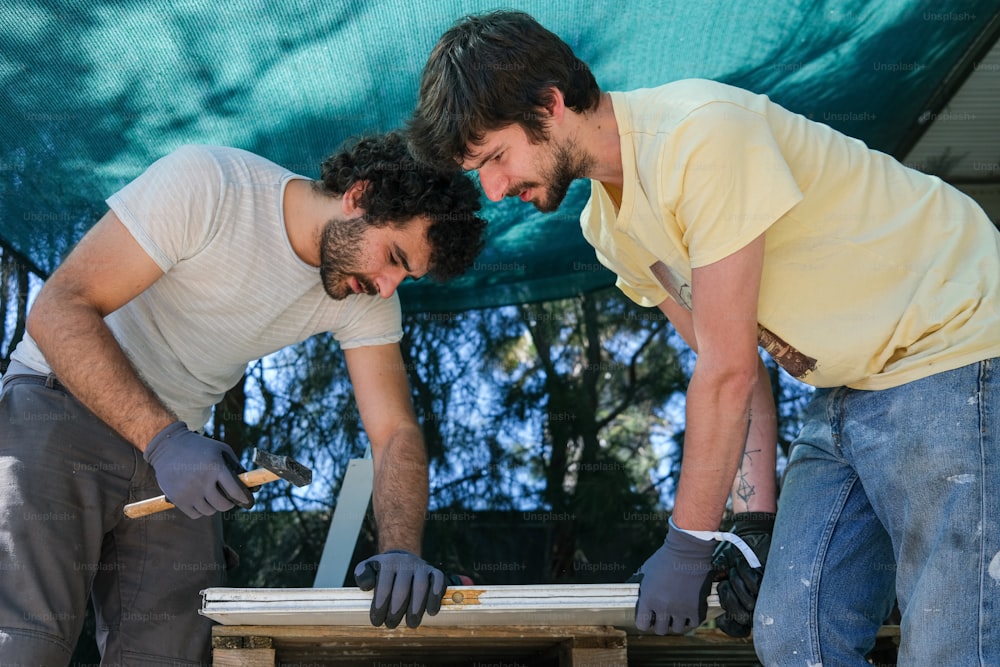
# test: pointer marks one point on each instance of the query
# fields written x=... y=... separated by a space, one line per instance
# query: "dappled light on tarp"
x=92 y=94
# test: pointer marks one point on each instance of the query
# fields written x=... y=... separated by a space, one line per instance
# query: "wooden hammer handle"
x=160 y=503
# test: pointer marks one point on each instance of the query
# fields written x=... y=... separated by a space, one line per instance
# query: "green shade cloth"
x=91 y=93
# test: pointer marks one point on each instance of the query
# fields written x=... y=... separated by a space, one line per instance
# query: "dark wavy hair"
x=489 y=71
x=400 y=189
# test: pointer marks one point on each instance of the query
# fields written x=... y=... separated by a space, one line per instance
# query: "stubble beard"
x=340 y=249
x=568 y=164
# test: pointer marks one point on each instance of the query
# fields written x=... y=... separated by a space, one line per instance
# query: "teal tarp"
x=91 y=93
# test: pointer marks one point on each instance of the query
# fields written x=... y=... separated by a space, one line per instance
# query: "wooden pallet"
x=437 y=646
x=487 y=626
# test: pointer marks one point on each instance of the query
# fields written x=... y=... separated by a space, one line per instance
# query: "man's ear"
x=351 y=200
x=556 y=105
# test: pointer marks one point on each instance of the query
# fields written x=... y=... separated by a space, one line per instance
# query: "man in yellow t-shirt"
x=751 y=226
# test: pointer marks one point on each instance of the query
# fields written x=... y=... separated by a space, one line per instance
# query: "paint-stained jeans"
x=890 y=493
x=64 y=479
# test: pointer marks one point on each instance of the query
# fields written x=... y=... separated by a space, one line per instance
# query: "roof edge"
x=962 y=70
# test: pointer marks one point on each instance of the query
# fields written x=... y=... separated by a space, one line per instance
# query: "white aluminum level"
x=547 y=604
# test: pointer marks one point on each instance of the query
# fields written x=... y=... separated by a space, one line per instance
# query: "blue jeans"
x=891 y=494
x=64 y=479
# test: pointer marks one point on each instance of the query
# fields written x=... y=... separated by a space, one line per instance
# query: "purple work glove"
x=195 y=473
x=404 y=584
x=674 y=585
x=740 y=583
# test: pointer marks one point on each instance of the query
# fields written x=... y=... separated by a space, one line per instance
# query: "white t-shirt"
x=874 y=274
x=233 y=289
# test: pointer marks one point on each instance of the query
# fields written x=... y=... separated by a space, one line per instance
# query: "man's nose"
x=389 y=281
x=493 y=184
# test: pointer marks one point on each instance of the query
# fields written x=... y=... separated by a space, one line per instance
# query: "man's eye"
x=496 y=158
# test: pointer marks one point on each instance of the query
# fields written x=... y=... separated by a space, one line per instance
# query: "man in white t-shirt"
x=210 y=259
x=751 y=226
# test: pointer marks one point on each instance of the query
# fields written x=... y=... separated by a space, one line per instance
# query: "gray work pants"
x=64 y=478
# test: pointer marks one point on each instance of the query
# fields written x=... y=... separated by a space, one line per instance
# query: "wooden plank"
x=243 y=657
x=526 y=645
x=590 y=657
x=461 y=646
x=242 y=640
x=594 y=651
x=282 y=634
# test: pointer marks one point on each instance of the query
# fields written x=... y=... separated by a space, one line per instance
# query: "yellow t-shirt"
x=874 y=274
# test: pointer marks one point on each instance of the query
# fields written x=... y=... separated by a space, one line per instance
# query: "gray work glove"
x=740 y=583
x=404 y=583
x=195 y=473
x=674 y=585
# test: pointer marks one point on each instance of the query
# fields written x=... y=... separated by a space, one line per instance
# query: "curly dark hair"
x=489 y=71
x=400 y=189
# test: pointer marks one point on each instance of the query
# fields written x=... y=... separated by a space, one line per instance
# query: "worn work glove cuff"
x=753 y=522
x=197 y=474
x=710 y=536
x=683 y=543
x=160 y=439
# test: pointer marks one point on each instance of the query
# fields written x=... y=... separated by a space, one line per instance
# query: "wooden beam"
x=243 y=657
x=569 y=646
x=594 y=651
x=278 y=635
x=250 y=650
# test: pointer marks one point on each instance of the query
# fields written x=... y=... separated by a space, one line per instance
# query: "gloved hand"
x=674 y=585
x=195 y=473
x=404 y=583
x=740 y=583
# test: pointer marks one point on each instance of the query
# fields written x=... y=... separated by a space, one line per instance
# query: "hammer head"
x=283 y=467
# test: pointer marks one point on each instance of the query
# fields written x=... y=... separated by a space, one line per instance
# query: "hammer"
x=270 y=467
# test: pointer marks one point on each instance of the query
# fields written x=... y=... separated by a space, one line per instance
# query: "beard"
x=568 y=164
x=340 y=252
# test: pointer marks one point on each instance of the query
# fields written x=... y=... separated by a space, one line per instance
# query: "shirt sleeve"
x=734 y=181
x=170 y=209
x=370 y=320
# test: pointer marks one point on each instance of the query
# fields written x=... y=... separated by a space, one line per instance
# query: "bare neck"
x=307 y=211
x=597 y=134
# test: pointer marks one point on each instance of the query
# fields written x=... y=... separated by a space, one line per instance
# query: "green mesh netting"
x=91 y=93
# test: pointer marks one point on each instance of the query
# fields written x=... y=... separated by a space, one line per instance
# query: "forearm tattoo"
x=745 y=489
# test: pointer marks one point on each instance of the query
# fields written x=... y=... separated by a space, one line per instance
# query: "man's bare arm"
x=105 y=271
x=755 y=486
x=725 y=385
x=400 y=480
